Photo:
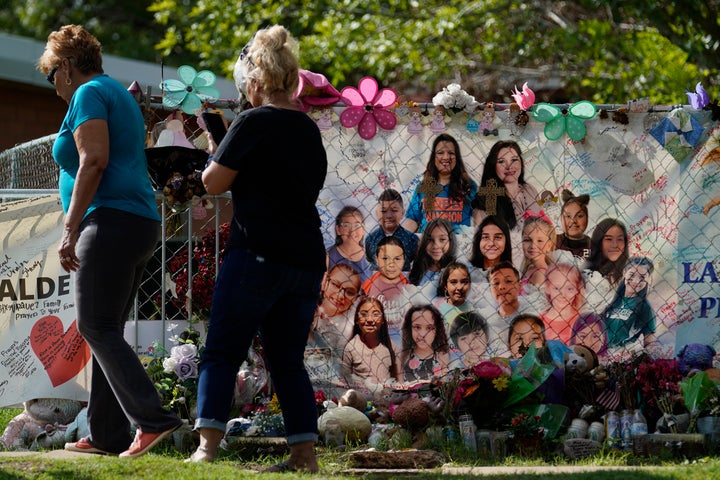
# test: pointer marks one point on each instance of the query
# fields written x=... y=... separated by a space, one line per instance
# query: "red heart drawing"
x=63 y=354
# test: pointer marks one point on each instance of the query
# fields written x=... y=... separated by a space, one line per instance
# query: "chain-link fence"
x=655 y=172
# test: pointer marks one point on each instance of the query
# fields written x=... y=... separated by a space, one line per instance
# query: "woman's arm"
x=93 y=145
x=217 y=178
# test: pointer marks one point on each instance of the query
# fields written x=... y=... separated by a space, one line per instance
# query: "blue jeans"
x=114 y=247
x=253 y=294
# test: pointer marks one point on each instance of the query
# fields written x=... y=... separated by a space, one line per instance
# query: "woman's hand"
x=68 y=260
x=212 y=146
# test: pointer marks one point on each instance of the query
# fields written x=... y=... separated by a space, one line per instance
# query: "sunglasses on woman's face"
x=51 y=76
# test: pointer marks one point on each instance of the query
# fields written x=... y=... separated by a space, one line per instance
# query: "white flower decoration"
x=169 y=364
x=456 y=99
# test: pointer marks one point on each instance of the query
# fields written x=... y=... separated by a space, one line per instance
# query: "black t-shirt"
x=281 y=163
x=579 y=248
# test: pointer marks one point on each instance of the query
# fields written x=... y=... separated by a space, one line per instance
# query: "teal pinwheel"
x=558 y=121
x=191 y=91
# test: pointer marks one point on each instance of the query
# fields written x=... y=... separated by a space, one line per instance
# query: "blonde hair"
x=75 y=43
x=270 y=58
x=572 y=274
x=532 y=223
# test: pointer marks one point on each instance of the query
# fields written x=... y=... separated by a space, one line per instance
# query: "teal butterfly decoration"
x=558 y=122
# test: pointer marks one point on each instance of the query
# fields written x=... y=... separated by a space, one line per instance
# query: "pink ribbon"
x=541 y=215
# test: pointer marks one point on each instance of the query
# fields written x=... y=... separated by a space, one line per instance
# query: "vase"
x=499 y=444
x=710 y=426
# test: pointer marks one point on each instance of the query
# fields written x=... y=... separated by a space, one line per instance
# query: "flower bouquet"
x=481 y=391
x=204 y=257
x=455 y=99
x=657 y=380
x=260 y=420
x=175 y=373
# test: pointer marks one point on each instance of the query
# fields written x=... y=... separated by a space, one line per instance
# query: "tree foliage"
x=607 y=51
x=124 y=27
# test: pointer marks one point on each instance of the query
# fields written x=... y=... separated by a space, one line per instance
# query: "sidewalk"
x=50 y=454
x=445 y=470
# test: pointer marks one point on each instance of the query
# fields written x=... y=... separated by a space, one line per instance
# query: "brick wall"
x=27 y=113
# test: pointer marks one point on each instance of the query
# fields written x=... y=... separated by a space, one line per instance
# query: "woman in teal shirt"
x=111 y=229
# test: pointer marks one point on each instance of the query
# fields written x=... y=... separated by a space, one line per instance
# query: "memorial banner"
x=41 y=352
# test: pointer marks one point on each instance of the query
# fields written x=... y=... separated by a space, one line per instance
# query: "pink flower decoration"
x=367 y=107
x=526 y=99
x=487 y=369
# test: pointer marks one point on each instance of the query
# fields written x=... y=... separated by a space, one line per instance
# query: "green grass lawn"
x=166 y=463
x=164 y=466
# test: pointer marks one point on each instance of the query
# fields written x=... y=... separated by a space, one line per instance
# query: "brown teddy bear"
x=579 y=379
x=582 y=359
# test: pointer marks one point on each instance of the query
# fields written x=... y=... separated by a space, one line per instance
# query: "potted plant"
x=702 y=399
x=526 y=434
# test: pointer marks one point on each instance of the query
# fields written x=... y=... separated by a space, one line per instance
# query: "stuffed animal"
x=695 y=357
x=579 y=380
x=355 y=399
x=600 y=376
x=41 y=425
x=580 y=360
x=413 y=414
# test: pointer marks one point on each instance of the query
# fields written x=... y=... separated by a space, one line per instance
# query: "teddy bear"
x=695 y=357
x=580 y=363
x=41 y=424
x=580 y=360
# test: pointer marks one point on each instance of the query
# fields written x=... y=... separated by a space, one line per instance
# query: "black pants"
x=113 y=248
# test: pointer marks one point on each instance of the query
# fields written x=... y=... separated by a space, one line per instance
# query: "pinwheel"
x=560 y=121
x=698 y=99
x=367 y=107
x=524 y=99
x=191 y=91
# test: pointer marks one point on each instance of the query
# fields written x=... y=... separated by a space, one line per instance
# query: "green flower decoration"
x=559 y=121
x=191 y=91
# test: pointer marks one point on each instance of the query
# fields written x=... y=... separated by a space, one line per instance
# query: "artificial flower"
x=500 y=383
x=203 y=260
x=184 y=351
x=526 y=426
x=456 y=99
x=191 y=91
x=698 y=99
x=186 y=368
x=524 y=99
x=175 y=374
x=169 y=364
x=367 y=108
x=560 y=121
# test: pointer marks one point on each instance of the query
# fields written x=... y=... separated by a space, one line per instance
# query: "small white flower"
x=174 y=339
x=169 y=364
x=171 y=326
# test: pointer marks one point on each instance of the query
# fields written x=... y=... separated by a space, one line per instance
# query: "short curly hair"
x=75 y=43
